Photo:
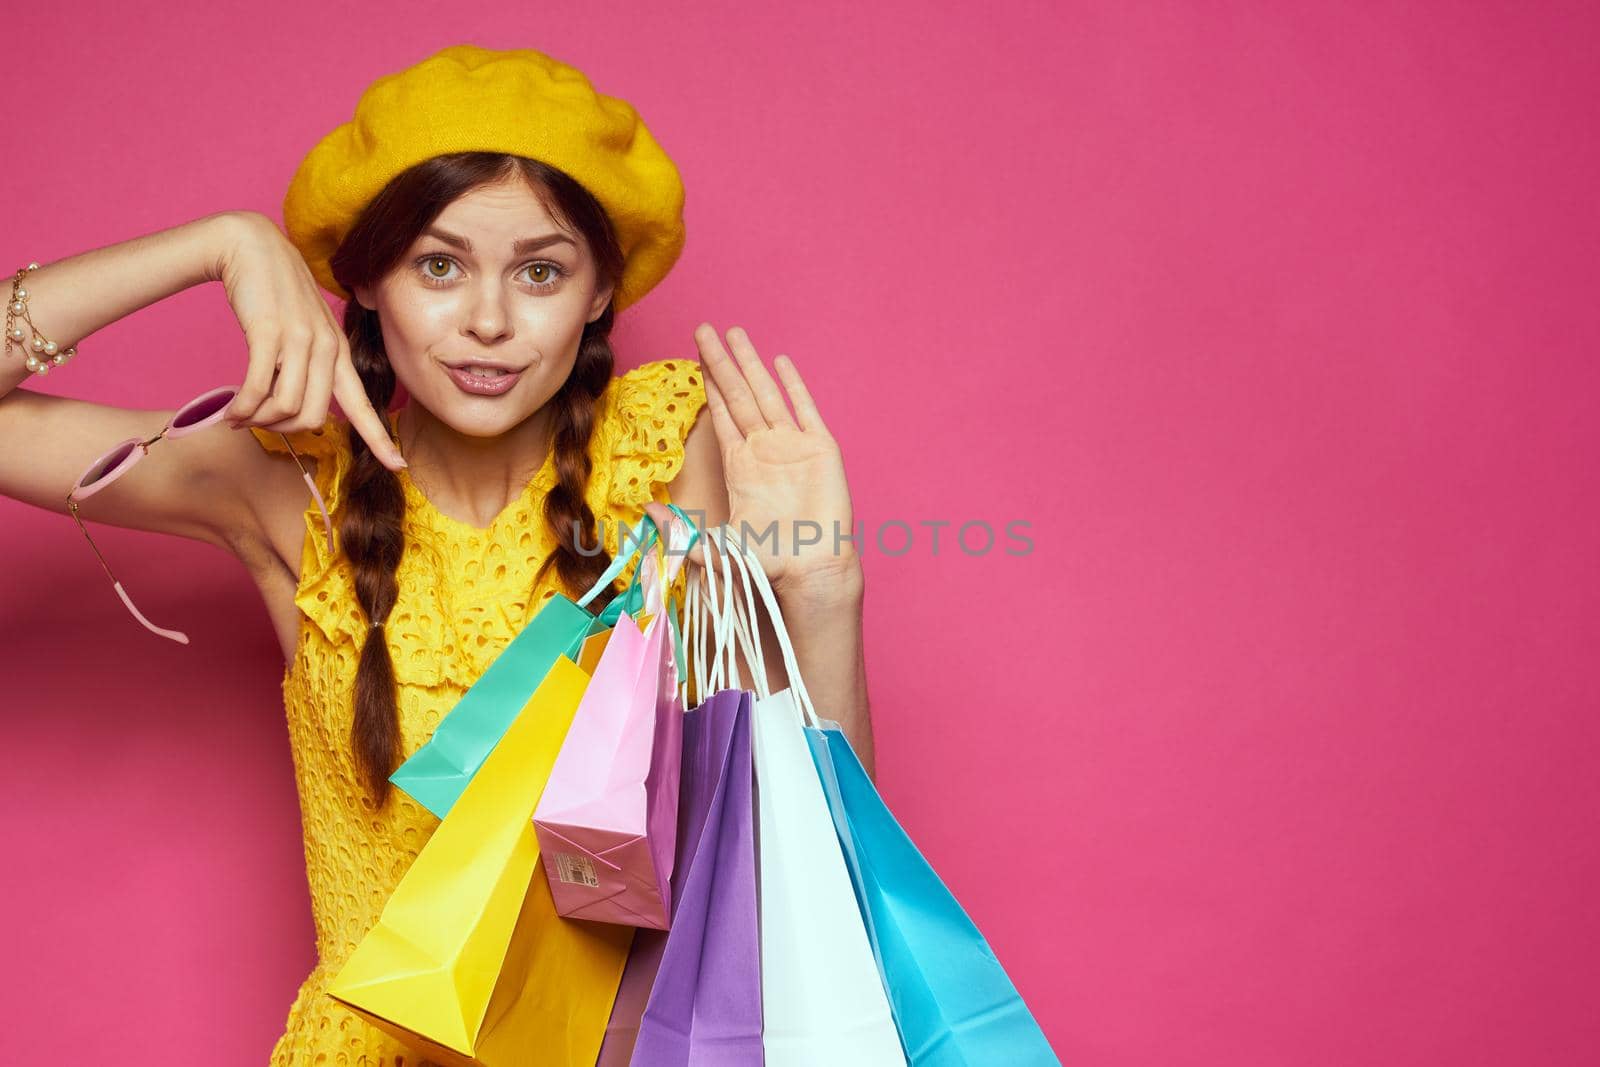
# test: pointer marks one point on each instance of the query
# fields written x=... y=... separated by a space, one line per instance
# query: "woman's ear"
x=602 y=297
x=363 y=295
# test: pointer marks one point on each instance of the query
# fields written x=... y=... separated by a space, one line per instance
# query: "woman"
x=481 y=208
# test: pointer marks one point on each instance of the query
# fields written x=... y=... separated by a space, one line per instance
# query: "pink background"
x=1277 y=321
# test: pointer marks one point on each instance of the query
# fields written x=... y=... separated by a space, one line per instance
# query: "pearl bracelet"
x=45 y=353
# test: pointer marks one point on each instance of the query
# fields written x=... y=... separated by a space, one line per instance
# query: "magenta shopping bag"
x=607 y=822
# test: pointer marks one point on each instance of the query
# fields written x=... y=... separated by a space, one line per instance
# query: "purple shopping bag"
x=698 y=986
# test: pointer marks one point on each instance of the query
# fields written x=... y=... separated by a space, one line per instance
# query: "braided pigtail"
x=369 y=530
x=580 y=555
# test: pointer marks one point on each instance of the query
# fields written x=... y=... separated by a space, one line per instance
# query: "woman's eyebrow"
x=527 y=244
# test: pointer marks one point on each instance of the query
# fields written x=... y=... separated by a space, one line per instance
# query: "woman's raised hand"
x=299 y=355
x=784 y=471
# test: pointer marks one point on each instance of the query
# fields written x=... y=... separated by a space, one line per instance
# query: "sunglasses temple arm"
x=174 y=635
x=181 y=638
x=322 y=505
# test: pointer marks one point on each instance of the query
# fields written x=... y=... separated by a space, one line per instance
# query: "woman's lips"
x=493 y=385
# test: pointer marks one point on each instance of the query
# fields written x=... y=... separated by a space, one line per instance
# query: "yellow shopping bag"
x=469 y=962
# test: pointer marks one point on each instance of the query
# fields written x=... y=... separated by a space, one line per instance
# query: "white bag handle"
x=727 y=624
x=701 y=609
x=748 y=630
x=737 y=634
x=713 y=611
x=716 y=621
x=750 y=569
x=724 y=668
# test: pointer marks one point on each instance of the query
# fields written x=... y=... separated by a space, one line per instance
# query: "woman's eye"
x=431 y=262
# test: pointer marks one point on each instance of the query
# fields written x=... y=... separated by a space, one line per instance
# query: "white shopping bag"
x=822 y=998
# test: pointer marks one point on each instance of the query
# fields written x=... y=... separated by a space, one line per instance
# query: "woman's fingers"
x=694 y=555
x=319 y=388
x=738 y=397
x=805 y=409
x=663 y=516
x=262 y=342
x=768 y=397
x=728 y=432
x=289 y=388
x=358 y=409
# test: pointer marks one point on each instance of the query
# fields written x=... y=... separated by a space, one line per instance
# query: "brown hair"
x=369 y=518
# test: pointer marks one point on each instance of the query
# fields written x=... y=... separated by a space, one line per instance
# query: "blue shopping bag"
x=952 y=1002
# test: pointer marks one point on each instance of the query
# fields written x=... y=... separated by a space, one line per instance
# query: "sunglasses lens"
x=106 y=463
x=200 y=410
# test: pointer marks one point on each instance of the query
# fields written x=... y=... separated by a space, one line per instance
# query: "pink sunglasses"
x=202 y=411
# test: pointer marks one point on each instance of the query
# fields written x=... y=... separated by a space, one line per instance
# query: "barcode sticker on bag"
x=576 y=870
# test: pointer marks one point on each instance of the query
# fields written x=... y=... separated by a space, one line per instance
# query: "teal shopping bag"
x=952 y=1001
x=436 y=773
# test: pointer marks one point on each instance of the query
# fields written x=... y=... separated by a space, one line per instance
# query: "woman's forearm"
x=825 y=625
x=72 y=298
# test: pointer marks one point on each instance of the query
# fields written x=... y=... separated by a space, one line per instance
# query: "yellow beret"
x=465 y=98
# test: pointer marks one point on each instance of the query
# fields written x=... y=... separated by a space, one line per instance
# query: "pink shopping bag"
x=607 y=822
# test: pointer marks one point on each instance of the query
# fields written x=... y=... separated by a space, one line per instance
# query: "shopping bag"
x=823 y=1000
x=607 y=823
x=693 y=802
x=468 y=961
x=704 y=1008
x=952 y=1001
x=436 y=773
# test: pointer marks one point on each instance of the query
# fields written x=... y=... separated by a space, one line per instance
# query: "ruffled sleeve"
x=645 y=418
x=326 y=592
x=647 y=415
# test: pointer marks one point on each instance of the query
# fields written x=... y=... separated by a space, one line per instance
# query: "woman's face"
x=492 y=279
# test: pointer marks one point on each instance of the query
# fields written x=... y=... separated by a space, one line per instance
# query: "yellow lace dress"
x=464 y=592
